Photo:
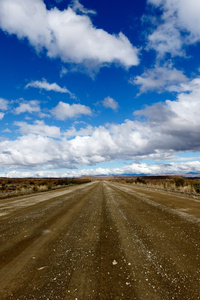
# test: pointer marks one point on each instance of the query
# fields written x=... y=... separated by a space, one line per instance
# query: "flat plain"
x=100 y=240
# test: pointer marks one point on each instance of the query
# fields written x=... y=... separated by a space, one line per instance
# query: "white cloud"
x=180 y=24
x=6 y=130
x=65 y=111
x=132 y=169
x=39 y=128
x=28 y=106
x=29 y=151
x=109 y=102
x=159 y=79
x=191 y=86
x=166 y=128
x=175 y=124
x=78 y=7
x=65 y=34
x=72 y=132
x=166 y=39
x=1 y=115
x=3 y=104
x=49 y=87
x=143 y=168
x=63 y=71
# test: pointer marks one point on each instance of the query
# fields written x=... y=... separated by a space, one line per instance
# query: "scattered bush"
x=3 y=186
x=20 y=186
x=140 y=180
x=49 y=186
x=35 y=188
x=167 y=182
x=179 y=181
x=196 y=186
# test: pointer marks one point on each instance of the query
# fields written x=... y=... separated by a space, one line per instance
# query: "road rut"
x=100 y=240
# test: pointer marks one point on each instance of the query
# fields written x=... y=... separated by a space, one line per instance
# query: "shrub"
x=3 y=186
x=49 y=185
x=35 y=188
x=179 y=181
x=140 y=180
x=196 y=186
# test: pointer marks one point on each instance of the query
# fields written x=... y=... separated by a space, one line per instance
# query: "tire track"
x=163 y=247
x=101 y=242
x=116 y=281
x=19 y=257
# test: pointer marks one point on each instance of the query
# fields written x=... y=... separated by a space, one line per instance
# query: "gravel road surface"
x=100 y=240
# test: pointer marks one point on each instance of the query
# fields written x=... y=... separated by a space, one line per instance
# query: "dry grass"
x=170 y=183
x=10 y=187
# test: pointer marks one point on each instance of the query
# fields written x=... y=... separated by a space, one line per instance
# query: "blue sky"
x=99 y=87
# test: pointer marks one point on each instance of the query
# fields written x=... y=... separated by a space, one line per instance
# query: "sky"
x=99 y=87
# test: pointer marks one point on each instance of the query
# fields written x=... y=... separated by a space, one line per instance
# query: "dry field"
x=11 y=187
x=187 y=185
x=100 y=240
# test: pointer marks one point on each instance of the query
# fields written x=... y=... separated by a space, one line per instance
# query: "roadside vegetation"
x=170 y=183
x=10 y=187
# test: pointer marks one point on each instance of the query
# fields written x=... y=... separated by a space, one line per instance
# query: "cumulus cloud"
x=166 y=128
x=65 y=111
x=179 y=24
x=29 y=151
x=78 y=7
x=38 y=128
x=3 y=104
x=143 y=169
x=72 y=132
x=28 y=106
x=183 y=110
x=132 y=169
x=1 y=115
x=166 y=39
x=6 y=130
x=191 y=86
x=109 y=102
x=49 y=87
x=159 y=79
x=65 y=34
x=63 y=71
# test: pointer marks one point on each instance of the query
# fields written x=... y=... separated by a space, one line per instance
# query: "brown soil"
x=100 y=240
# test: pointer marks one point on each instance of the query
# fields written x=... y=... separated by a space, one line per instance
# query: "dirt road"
x=100 y=241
